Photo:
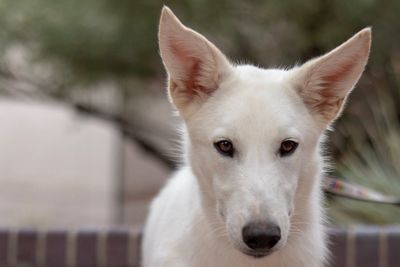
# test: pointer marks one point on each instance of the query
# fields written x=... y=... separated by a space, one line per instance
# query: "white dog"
x=250 y=191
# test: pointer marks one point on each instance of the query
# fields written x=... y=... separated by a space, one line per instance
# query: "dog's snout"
x=261 y=235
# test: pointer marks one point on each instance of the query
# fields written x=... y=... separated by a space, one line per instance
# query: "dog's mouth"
x=257 y=254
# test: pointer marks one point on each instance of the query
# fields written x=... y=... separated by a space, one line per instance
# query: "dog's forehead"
x=268 y=85
x=260 y=94
x=255 y=100
x=254 y=74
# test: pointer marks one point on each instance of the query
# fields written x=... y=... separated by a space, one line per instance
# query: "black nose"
x=261 y=235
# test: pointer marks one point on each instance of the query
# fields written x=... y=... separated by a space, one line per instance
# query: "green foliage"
x=94 y=37
x=118 y=38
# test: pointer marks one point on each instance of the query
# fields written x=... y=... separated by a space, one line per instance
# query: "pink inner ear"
x=191 y=67
x=331 y=94
x=337 y=76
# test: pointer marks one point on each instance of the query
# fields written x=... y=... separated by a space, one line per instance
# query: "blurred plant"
x=369 y=143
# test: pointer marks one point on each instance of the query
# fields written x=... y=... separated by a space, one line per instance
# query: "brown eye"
x=224 y=147
x=287 y=148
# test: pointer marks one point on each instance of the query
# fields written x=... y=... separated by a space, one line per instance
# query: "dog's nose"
x=261 y=235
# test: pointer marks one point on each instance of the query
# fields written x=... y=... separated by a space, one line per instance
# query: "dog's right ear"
x=194 y=65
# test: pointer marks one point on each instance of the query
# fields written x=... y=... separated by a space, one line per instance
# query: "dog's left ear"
x=325 y=82
x=194 y=65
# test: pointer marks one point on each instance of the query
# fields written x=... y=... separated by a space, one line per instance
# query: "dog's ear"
x=324 y=83
x=194 y=65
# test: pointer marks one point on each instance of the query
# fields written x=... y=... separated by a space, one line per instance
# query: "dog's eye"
x=287 y=147
x=225 y=147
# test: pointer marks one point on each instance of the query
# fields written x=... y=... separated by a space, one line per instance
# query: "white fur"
x=197 y=218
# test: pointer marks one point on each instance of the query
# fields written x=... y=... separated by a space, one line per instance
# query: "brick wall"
x=355 y=247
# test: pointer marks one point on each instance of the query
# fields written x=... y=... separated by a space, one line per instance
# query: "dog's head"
x=254 y=133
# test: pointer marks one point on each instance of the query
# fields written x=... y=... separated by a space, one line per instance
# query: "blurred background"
x=87 y=136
